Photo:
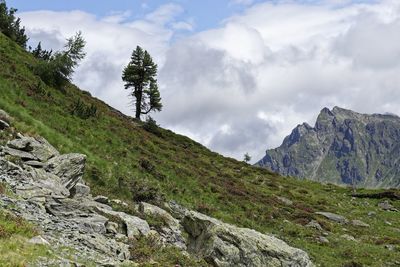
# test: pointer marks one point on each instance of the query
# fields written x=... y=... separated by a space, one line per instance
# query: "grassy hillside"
x=14 y=233
x=128 y=160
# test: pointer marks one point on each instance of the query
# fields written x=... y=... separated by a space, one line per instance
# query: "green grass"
x=14 y=248
x=120 y=151
x=147 y=252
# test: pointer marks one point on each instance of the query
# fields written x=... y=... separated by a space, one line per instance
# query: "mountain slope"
x=127 y=159
x=344 y=147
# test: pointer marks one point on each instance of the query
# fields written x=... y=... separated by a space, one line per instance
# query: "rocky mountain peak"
x=344 y=147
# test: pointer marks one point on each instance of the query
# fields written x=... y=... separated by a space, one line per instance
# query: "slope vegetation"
x=131 y=160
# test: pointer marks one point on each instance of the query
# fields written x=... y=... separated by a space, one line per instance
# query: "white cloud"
x=277 y=65
x=110 y=42
x=243 y=86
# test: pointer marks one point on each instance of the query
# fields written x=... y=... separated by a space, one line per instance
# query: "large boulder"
x=154 y=211
x=224 y=245
x=80 y=191
x=68 y=167
x=38 y=147
x=170 y=232
x=79 y=213
x=134 y=226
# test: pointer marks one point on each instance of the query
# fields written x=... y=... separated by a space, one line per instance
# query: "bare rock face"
x=344 y=147
x=135 y=227
x=38 y=147
x=172 y=231
x=226 y=245
x=69 y=168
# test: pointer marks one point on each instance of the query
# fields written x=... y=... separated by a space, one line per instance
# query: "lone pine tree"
x=140 y=76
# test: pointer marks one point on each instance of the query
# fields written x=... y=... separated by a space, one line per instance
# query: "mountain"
x=344 y=147
x=133 y=163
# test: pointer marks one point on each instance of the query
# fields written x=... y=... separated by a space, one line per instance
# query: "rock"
x=176 y=210
x=333 y=217
x=390 y=247
x=285 y=201
x=336 y=146
x=48 y=181
x=65 y=223
x=38 y=240
x=34 y=163
x=19 y=154
x=323 y=240
x=119 y=202
x=112 y=228
x=385 y=205
x=101 y=199
x=171 y=232
x=80 y=190
x=359 y=223
x=4 y=125
x=68 y=167
x=39 y=147
x=371 y=213
x=222 y=244
x=314 y=224
x=134 y=226
x=348 y=237
x=155 y=211
x=4 y=116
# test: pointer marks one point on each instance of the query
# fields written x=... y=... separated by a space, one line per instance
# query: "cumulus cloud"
x=276 y=65
x=243 y=86
x=110 y=41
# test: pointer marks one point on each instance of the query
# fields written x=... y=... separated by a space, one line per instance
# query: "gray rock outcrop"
x=226 y=245
x=69 y=168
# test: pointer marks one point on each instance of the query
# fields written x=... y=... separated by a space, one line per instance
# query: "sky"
x=235 y=75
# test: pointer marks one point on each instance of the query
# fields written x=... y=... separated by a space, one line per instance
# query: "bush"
x=143 y=190
x=151 y=126
x=50 y=72
x=83 y=111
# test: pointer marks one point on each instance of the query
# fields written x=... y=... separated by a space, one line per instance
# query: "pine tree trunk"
x=139 y=96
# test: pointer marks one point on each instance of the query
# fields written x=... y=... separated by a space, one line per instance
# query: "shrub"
x=143 y=190
x=83 y=110
x=151 y=126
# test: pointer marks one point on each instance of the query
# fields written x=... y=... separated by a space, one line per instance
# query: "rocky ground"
x=47 y=189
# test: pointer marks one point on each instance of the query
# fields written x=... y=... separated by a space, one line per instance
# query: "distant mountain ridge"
x=344 y=147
